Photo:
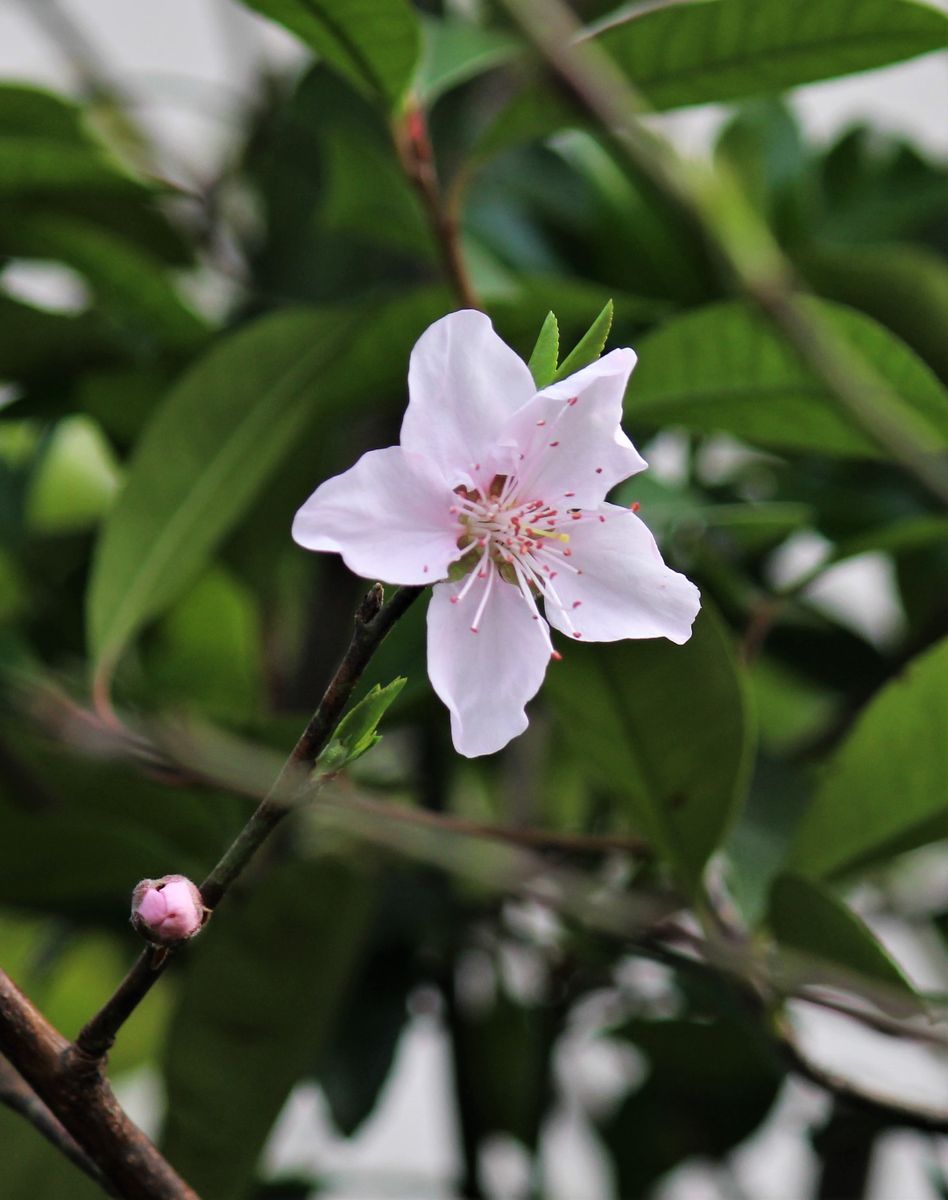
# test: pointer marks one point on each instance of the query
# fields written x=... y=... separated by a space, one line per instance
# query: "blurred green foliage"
x=152 y=457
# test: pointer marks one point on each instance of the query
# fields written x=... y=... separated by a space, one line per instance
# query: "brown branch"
x=416 y=155
x=373 y=621
x=514 y=835
x=78 y=1096
x=20 y=1098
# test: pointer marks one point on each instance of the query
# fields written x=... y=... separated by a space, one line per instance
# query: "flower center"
x=512 y=539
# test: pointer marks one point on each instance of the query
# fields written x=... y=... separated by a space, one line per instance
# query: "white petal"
x=573 y=447
x=485 y=678
x=463 y=384
x=624 y=590
x=388 y=516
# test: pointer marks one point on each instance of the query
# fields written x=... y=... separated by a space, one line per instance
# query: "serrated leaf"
x=884 y=789
x=724 y=368
x=589 y=347
x=807 y=917
x=374 y=43
x=357 y=731
x=715 y=50
x=667 y=730
x=546 y=352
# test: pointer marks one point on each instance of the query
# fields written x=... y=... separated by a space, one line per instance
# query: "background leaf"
x=374 y=43
x=666 y=729
x=885 y=787
x=726 y=49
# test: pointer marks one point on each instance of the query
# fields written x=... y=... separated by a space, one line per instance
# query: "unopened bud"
x=167 y=910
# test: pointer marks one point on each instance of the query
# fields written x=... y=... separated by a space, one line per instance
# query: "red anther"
x=576 y=634
x=567 y=553
x=541 y=422
x=556 y=656
x=635 y=506
x=473 y=629
x=598 y=470
x=572 y=400
x=576 y=515
x=602 y=519
x=455 y=599
x=554 y=443
x=424 y=569
x=577 y=603
x=568 y=494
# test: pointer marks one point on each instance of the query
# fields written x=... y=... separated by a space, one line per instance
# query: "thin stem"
x=417 y=158
x=373 y=621
x=514 y=835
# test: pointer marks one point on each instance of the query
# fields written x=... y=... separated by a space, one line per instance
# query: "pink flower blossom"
x=496 y=495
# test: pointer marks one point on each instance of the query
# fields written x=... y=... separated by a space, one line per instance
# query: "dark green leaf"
x=374 y=43
x=30 y=165
x=665 y=728
x=807 y=917
x=589 y=347
x=546 y=352
x=724 y=368
x=33 y=111
x=726 y=49
x=885 y=788
x=257 y=1008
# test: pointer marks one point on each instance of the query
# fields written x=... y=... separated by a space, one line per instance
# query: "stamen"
x=491 y=571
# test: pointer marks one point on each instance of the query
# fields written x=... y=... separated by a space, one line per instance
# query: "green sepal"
x=588 y=348
x=543 y=360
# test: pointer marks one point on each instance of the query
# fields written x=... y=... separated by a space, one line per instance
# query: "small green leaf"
x=374 y=43
x=726 y=49
x=589 y=347
x=724 y=368
x=356 y=732
x=807 y=917
x=546 y=352
x=30 y=165
x=75 y=479
x=884 y=790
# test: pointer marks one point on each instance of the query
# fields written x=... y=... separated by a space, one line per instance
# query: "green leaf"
x=546 y=352
x=902 y=285
x=455 y=51
x=724 y=368
x=807 y=917
x=665 y=728
x=130 y=285
x=726 y=49
x=34 y=341
x=29 y=165
x=33 y=111
x=589 y=347
x=75 y=480
x=356 y=732
x=374 y=43
x=884 y=790
x=217 y=437
x=257 y=1009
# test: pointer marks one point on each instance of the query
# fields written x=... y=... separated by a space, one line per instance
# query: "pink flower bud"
x=166 y=910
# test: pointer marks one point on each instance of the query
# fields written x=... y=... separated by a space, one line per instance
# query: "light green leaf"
x=546 y=352
x=726 y=49
x=271 y=974
x=589 y=347
x=374 y=43
x=724 y=368
x=357 y=731
x=455 y=51
x=809 y=918
x=884 y=790
x=75 y=480
x=213 y=442
x=665 y=728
